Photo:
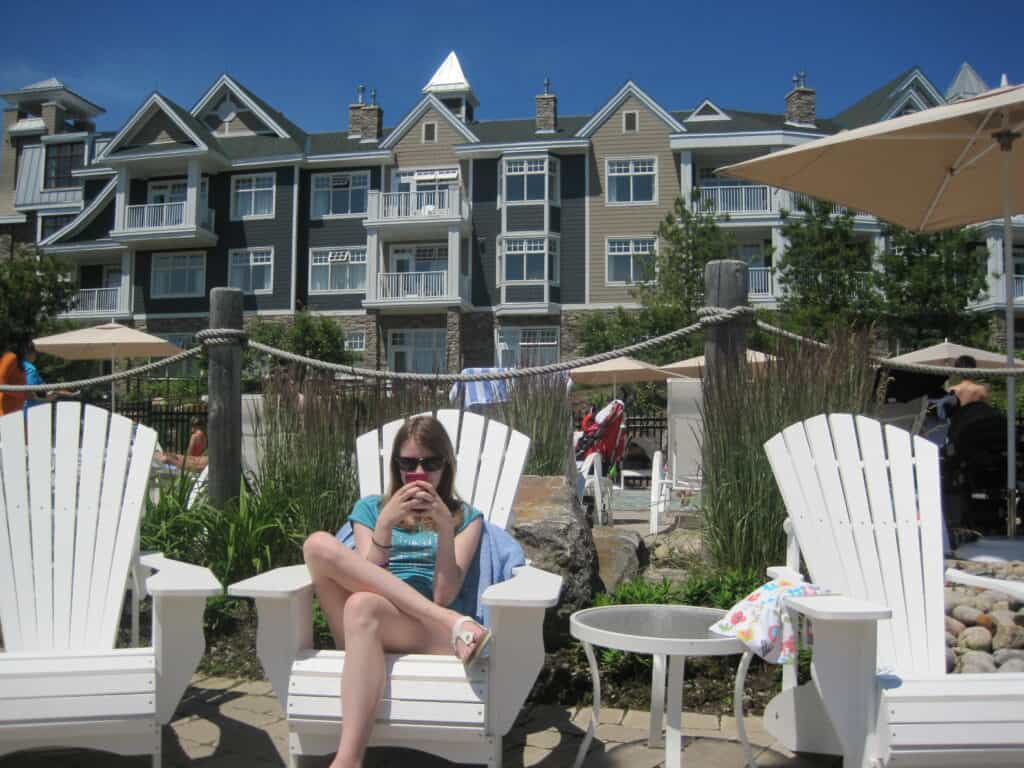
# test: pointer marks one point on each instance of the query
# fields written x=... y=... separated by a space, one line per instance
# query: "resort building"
x=441 y=242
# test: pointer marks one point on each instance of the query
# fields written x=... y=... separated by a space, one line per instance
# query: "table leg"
x=673 y=728
x=654 y=737
x=595 y=713
x=737 y=702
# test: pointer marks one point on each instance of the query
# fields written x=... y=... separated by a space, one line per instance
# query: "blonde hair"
x=430 y=434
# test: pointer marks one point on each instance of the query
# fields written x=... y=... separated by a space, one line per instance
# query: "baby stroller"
x=602 y=433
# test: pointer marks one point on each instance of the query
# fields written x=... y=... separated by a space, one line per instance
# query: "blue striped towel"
x=480 y=392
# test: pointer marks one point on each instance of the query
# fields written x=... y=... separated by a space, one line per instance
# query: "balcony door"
x=167 y=202
x=427 y=187
x=419 y=270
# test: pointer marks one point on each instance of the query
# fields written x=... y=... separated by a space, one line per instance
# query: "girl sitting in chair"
x=391 y=593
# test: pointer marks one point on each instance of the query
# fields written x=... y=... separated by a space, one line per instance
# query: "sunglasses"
x=429 y=463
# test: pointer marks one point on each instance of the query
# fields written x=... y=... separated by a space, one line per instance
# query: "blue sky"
x=307 y=58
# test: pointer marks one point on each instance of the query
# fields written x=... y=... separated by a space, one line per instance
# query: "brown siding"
x=411 y=152
x=651 y=140
x=158 y=128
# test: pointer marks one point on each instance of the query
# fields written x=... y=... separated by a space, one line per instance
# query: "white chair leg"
x=654 y=737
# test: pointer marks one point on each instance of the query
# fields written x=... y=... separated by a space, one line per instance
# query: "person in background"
x=32 y=377
x=197 y=441
x=13 y=374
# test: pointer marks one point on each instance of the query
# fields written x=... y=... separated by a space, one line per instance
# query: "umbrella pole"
x=1006 y=138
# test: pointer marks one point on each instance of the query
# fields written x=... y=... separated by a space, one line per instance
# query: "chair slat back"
x=73 y=484
x=489 y=455
x=866 y=510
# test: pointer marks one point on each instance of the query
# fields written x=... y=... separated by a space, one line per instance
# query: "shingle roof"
x=248 y=147
x=338 y=142
x=515 y=131
x=292 y=129
x=873 y=107
x=741 y=121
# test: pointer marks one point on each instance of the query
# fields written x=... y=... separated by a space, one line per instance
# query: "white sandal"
x=469 y=640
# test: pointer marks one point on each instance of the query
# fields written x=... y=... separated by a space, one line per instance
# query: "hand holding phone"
x=412 y=477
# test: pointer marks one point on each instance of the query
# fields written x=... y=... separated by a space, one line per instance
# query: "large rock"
x=1005 y=654
x=975 y=639
x=618 y=555
x=551 y=527
x=1008 y=636
x=974 y=662
x=966 y=614
x=954 y=627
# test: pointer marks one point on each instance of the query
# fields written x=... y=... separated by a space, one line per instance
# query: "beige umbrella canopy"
x=110 y=341
x=694 y=366
x=943 y=167
x=621 y=370
x=947 y=352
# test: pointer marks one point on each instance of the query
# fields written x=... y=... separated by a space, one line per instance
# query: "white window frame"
x=552 y=247
x=415 y=333
x=153 y=269
x=551 y=166
x=501 y=346
x=252 y=251
x=636 y=121
x=423 y=133
x=632 y=172
x=342 y=254
x=273 y=196
x=355 y=341
x=633 y=252
x=351 y=175
x=41 y=216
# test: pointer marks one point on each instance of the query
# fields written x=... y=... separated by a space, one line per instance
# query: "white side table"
x=667 y=632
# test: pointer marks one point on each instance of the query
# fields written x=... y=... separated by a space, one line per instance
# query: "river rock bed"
x=984 y=628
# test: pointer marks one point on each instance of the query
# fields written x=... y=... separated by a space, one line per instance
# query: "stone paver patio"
x=226 y=723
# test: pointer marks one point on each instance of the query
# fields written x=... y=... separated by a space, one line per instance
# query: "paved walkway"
x=224 y=723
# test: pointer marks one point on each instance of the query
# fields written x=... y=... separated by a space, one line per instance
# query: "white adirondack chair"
x=72 y=494
x=598 y=486
x=432 y=703
x=865 y=513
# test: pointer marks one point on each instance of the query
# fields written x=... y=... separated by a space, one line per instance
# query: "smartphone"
x=412 y=477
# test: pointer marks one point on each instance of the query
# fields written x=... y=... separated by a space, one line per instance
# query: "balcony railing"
x=762 y=281
x=90 y=301
x=734 y=199
x=162 y=216
x=394 y=206
x=412 y=285
x=799 y=197
x=1018 y=286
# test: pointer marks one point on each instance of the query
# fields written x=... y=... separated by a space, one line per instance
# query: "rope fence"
x=708 y=317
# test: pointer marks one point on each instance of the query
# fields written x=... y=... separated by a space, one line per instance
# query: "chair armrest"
x=782 y=572
x=838 y=608
x=1012 y=588
x=174 y=578
x=280 y=583
x=529 y=587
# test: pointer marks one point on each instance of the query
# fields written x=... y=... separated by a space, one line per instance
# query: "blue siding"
x=517 y=293
x=485 y=232
x=524 y=218
x=29 y=191
x=555 y=219
x=573 y=230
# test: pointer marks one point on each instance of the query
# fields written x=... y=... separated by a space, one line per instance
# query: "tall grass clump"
x=743 y=510
x=539 y=407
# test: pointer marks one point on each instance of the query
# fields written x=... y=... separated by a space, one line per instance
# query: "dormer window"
x=429 y=133
x=61 y=160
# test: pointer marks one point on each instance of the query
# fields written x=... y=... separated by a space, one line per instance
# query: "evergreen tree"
x=34 y=290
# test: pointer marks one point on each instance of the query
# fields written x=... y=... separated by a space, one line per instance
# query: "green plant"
x=539 y=408
x=34 y=289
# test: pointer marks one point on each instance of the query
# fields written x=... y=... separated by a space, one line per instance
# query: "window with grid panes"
x=178 y=275
x=337 y=269
x=630 y=259
x=527 y=347
x=252 y=196
x=355 y=341
x=340 y=194
x=525 y=180
x=631 y=181
x=50 y=224
x=251 y=270
x=61 y=160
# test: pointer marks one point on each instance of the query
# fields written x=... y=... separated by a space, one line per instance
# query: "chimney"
x=801 y=102
x=547 y=110
x=8 y=157
x=53 y=116
x=373 y=118
x=355 y=115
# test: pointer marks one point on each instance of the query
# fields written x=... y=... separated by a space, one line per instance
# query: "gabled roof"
x=888 y=100
x=426 y=103
x=449 y=78
x=707 y=110
x=53 y=89
x=741 y=121
x=84 y=218
x=966 y=84
x=616 y=101
x=275 y=120
x=198 y=133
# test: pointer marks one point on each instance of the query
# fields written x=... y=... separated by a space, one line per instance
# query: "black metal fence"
x=652 y=427
x=172 y=421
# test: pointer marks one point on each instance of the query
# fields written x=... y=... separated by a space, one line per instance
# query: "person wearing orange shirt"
x=12 y=374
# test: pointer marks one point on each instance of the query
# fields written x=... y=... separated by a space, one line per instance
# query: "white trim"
x=696 y=117
x=423 y=133
x=296 y=180
x=49 y=215
x=897 y=108
x=616 y=101
x=917 y=74
x=89 y=173
x=339 y=312
x=250 y=250
x=360 y=157
x=636 y=120
x=497 y=149
x=608 y=187
x=586 y=227
x=155 y=100
x=273 y=196
x=619 y=283
x=260 y=161
x=336 y=291
x=601 y=306
x=43 y=189
x=236 y=89
x=86 y=216
x=96 y=245
x=62 y=138
x=547 y=159
x=427 y=102
x=781 y=137
x=13 y=218
x=153 y=271
x=329 y=216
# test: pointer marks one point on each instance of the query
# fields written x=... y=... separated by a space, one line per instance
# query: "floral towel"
x=764 y=624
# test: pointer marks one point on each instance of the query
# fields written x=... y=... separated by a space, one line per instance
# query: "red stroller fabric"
x=603 y=434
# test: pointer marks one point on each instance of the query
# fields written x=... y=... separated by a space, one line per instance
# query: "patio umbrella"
x=947 y=352
x=943 y=167
x=110 y=341
x=621 y=370
x=694 y=366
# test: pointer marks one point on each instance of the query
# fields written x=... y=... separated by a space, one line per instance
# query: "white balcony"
x=1018 y=287
x=170 y=223
x=762 y=283
x=402 y=286
x=737 y=199
x=97 y=301
x=396 y=215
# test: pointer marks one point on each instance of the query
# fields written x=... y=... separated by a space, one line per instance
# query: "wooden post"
x=225 y=406
x=725 y=346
